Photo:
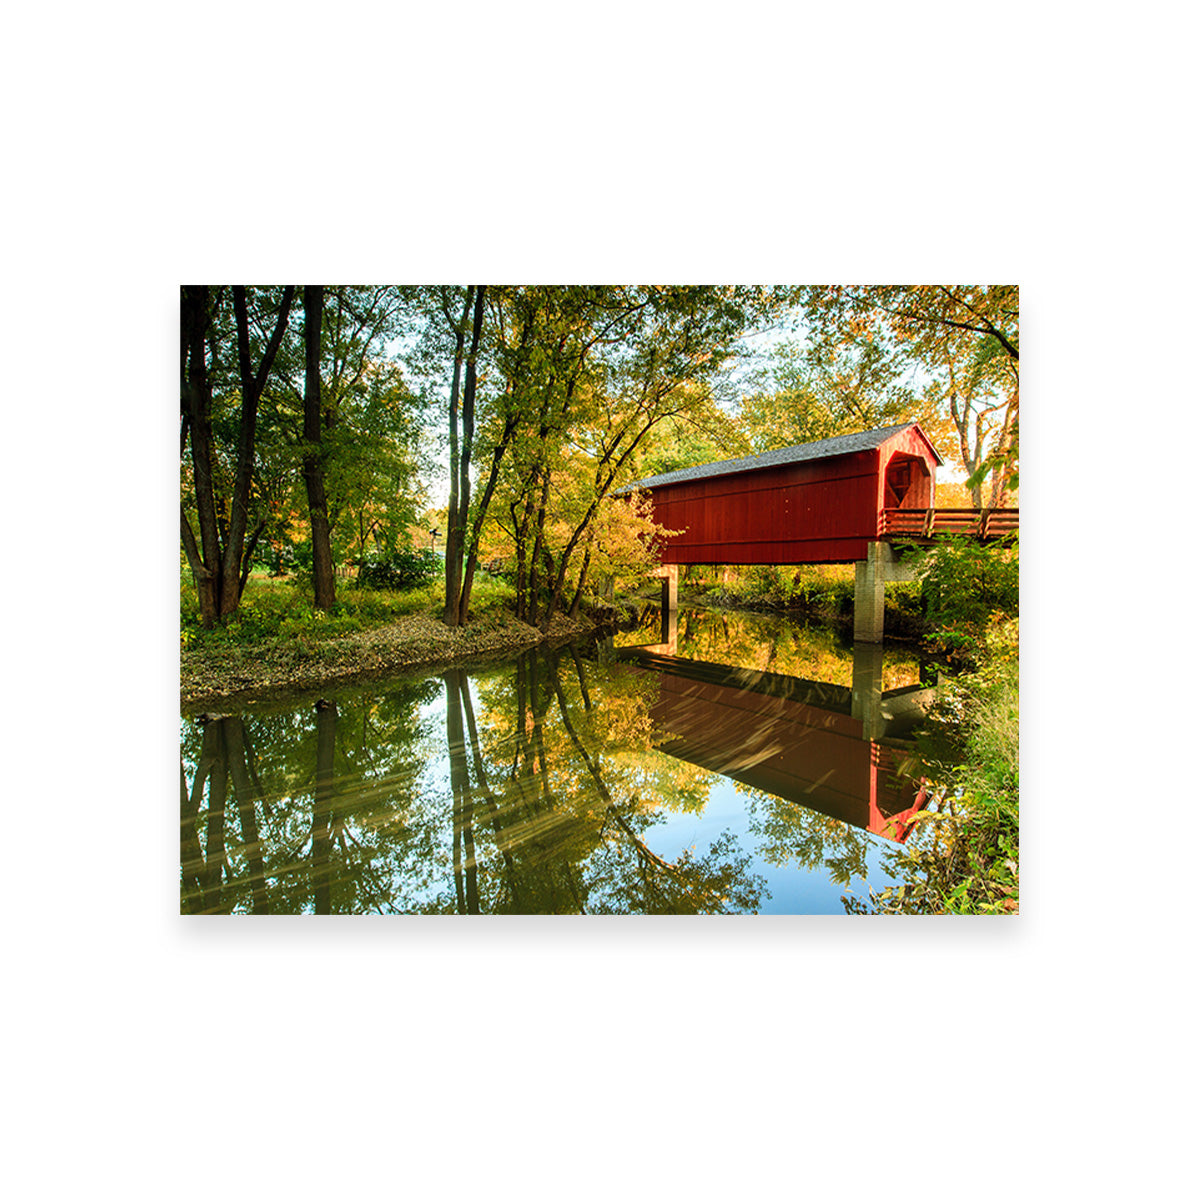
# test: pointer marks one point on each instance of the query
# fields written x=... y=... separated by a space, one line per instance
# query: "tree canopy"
x=965 y=342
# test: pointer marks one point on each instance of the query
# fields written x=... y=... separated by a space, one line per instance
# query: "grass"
x=281 y=610
x=991 y=701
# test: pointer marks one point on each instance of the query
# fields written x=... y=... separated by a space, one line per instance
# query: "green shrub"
x=400 y=570
x=488 y=593
x=966 y=585
x=953 y=863
x=767 y=585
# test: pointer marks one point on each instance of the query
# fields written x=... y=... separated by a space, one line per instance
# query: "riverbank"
x=269 y=655
x=213 y=672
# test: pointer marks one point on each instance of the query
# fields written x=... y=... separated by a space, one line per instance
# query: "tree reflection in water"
x=328 y=806
x=537 y=787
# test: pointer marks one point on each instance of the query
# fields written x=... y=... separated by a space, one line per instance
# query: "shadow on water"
x=583 y=779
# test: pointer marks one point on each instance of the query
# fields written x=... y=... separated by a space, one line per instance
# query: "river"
x=726 y=763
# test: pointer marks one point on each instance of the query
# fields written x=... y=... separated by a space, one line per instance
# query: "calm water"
x=739 y=764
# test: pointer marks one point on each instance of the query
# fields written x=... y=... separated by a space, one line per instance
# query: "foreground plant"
x=963 y=856
x=960 y=860
x=968 y=587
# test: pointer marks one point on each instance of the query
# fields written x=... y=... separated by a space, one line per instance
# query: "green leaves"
x=968 y=585
x=399 y=570
x=961 y=342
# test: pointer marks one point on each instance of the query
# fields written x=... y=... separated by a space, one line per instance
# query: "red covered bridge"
x=840 y=500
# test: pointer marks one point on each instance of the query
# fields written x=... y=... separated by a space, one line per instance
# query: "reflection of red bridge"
x=790 y=737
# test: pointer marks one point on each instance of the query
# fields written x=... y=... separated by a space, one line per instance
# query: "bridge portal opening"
x=907 y=483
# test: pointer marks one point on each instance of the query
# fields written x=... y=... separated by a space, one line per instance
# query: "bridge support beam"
x=670 y=607
x=882 y=566
x=670 y=586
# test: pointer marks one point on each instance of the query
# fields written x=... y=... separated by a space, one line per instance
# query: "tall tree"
x=342 y=421
x=314 y=468
x=235 y=563
x=220 y=561
x=609 y=364
x=455 y=612
x=196 y=319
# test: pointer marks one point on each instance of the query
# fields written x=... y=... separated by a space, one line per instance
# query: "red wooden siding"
x=907 y=449
x=820 y=511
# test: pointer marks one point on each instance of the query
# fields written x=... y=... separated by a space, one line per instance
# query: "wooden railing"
x=966 y=522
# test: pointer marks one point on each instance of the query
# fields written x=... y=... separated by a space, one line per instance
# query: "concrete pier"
x=669 y=608
x=670 y=587
x=882 y=566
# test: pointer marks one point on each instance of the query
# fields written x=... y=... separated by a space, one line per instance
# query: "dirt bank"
x=244 y=672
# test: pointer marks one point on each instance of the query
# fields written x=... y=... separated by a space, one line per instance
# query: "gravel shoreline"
x=250 y=672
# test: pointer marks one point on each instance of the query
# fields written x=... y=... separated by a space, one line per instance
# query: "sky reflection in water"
x=586 y=779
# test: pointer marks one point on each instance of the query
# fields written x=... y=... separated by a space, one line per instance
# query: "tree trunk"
x=201 y=575
x=510 y=425
x=248 y=556
x=485 y=500
x=453 y=519
x=521 y=537
x=539 y=546
x=573 y=611
x=456 y=603
x=314 y=468
x=1003 y=469
x=196 y=402
x=607 y=464
x=252 y=385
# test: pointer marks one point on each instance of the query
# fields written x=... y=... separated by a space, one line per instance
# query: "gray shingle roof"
x=846 y=443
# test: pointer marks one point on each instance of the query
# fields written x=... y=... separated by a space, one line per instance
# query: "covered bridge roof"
x=846 y=443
